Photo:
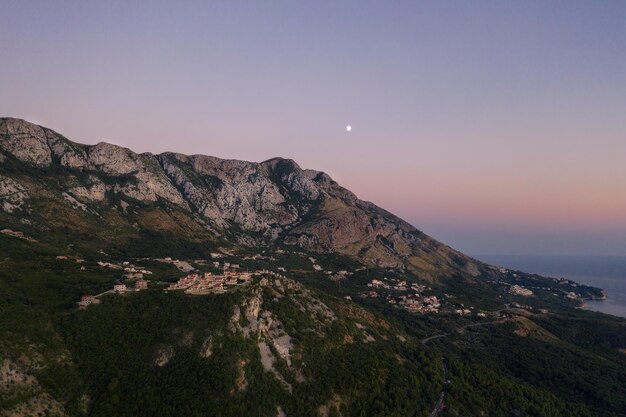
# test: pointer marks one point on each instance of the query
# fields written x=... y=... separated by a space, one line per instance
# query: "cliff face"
x=239 y=202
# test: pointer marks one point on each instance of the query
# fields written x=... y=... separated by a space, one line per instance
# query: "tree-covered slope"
x=353 y=312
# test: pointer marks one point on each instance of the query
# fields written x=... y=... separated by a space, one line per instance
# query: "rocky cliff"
x=235 y=202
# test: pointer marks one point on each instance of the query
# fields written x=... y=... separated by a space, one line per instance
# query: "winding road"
x=440 y=404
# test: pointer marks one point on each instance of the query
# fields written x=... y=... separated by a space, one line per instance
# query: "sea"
x=606 y=272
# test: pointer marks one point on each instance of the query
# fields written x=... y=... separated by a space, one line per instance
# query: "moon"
x=348 y=128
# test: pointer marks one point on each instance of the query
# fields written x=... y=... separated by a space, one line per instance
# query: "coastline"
x=604 y=305
x=605 y=273
x=583 y=303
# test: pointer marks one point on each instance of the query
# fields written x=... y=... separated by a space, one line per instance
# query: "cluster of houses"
x=541 y=284
x=193 y=283
x=396 y=285
x=140 y=284
x=316 y=266
x=87 y=300
x=339 y=275
x=181 y=265
x=519 y=290
x=226 y=265
x=526 y=307
x=527 y=290
x=418 y=304
x=132 y=271
x=413 y=302
x=208 y=283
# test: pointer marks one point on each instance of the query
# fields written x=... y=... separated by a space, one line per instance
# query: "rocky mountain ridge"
x=245 y=203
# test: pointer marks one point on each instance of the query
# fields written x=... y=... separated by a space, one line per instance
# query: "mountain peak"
x=244 y=203
x=26 y=141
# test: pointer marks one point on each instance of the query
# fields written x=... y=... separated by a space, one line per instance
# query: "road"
x=440 y=404
x=437 y=336
x=458 y=330
x=103 y=293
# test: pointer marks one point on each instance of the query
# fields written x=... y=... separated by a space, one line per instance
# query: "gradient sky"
x=498 y=127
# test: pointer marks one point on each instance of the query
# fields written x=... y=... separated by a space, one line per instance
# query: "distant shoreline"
x=584 y=304
x=607 y=273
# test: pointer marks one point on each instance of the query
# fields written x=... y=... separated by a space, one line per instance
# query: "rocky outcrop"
x=25 y=141
x=250 y=203
x=148 y=181
x=163 y=355
x=93 y=190
x=207 y=347
x=12 y=194
x=228 y=191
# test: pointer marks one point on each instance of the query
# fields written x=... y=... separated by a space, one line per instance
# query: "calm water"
x=606 y=272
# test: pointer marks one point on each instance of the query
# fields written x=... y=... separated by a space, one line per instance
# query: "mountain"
x=180 y=286
x=235 y=202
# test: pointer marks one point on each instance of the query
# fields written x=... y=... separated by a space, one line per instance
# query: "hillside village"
x=207 y=283
x=225 y=275
x=196 y=283
x=222 y=271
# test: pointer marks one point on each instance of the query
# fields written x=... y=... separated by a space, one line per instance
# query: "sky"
x=498 y=127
